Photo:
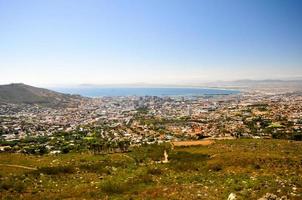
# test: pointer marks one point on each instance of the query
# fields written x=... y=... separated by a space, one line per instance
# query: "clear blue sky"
x=154 y=41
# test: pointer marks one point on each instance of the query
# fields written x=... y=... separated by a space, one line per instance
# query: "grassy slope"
x=249 y=168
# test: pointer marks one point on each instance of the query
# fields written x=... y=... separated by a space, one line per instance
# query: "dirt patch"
x=193 y=143
x=18 y=166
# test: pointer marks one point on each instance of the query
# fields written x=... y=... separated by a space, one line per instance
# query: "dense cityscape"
x=135 y=120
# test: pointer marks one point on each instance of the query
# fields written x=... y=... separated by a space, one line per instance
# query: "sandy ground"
x=193 y=143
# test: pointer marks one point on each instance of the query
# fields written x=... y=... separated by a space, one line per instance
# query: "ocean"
x=101 y=92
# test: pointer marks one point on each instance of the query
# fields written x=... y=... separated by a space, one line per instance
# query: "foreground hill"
x=247 y=168
x=24 y=94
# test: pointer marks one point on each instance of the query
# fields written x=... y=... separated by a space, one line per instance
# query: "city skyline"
x=150 y=42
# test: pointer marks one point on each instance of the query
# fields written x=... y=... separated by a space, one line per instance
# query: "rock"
x=232 y=196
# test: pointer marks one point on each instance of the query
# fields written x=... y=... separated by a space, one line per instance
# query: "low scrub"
x=154 y=171
x=113 y=186
x=95 y=168
x=186 y=161
x=56 y=170
x=153 y=152
x=12 y=185
x=215 y=167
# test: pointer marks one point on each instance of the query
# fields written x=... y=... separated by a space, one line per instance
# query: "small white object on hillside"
x=232 y=196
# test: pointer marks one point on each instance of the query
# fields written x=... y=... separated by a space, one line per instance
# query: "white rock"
x=232 y=196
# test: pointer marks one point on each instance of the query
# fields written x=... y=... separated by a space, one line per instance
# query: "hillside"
x=247 y=168
x=19 y=93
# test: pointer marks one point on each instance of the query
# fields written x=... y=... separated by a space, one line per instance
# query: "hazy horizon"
x=170 y=42
x=202 y=84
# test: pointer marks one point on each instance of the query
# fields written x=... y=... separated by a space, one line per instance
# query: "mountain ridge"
x=19 y=93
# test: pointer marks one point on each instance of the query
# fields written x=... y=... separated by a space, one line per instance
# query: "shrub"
x=215 y=167
x=184 y=156
x=154 y=171
x=114 y=186
x=186 y=161
x=256 y=166
x=142 y=178
x=95 y=168
x=153 y=152
x=56 y=170
x=123 y=163
x=65 y=149
x=297 y=136
x=42 y=150
x=13 y=185
x=183 y=166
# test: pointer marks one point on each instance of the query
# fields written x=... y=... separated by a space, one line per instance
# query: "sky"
x=69 y=42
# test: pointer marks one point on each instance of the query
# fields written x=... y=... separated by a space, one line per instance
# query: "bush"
x=42 y=150
x=95 y=168
x=297 y=136
x=154 y=171
x=13 y=185
x=184 y=156
x=281 y=135
x=154 y=152
x=141 y=179
x=256 y=166
x=186 y=161
x=114 y=186
x=122 y=184
x=65 y=149
x=183 y=166
x=56 y=170
x=215 y=167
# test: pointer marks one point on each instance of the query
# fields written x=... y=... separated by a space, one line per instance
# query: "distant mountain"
x=267 y=86
x=19 y=93
x=250 y=82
